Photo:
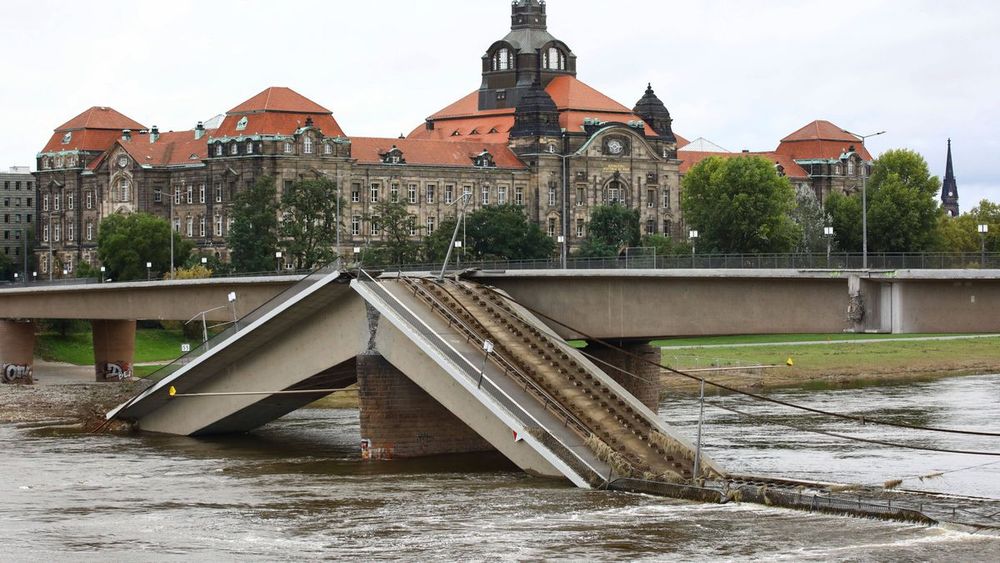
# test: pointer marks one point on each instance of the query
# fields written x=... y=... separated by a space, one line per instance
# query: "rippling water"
x=297 y=489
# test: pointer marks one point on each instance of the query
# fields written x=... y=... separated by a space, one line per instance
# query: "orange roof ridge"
x=279 y=99
x=100 y=117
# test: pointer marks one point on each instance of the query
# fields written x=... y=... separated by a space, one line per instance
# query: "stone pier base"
x=114 y=350
x=399 y=419
x=646 y=386
x=17 y=352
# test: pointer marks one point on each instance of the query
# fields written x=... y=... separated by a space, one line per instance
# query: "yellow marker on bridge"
x=788 y=362
x=172 y=391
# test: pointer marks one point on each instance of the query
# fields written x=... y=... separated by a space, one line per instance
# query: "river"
x=296 y=489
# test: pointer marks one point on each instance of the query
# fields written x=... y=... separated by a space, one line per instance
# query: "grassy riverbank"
x=837 y=363
x=151 y=345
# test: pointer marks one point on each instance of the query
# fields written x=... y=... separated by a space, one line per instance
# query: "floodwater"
x=297 y=489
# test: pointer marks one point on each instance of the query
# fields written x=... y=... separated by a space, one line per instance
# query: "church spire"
x=949 y=191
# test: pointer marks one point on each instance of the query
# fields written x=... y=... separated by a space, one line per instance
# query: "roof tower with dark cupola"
x=655 y=114
x=949 y=191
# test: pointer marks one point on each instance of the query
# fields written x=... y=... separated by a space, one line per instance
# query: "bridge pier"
x=114 y=349
x=647 y=386
x=17 y=352
x=399 y=419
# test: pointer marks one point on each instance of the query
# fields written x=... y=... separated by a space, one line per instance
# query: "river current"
x=297 y=489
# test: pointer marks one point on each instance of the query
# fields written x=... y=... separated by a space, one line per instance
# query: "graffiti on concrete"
x=117 y=371
x=370 y=453
x=13 y=373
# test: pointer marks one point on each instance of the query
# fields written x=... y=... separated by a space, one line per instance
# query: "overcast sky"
x=741 y=74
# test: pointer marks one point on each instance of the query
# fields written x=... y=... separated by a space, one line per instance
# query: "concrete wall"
x=114 y=350
x=945 y=306
x=17 y=350
x=401 y=420
x=638 y=377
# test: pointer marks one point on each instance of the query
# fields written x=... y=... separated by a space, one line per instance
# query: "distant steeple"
x=949 y=191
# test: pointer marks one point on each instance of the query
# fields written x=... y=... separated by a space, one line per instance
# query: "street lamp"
x=149 y=266
x=458 y=254
x=103 y=269
x=277 y=262
x=864 y=202
x=828 y=233
x=565 y=197
x=34 y=276
x=562 y=257
x=693 y=235
x=983 y=230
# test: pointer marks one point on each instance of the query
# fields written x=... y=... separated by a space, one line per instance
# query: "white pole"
x=701 y=418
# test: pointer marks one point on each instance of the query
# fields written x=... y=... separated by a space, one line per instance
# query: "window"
x=650 y=226
x=177 y=195
x=201 y=226
x=190 y=226
x=218 y=225
x=375 y=188
x=90 y=231
x=580 y=197
x=668 y=227
x=201 y=193
x=69 y=263
x=55 y=202
x=430 y=193
x=552 y=196
x=177 y=225
x=28 y=202
x=376 y=227
x=411 y=223
x=430 y=225
x=466 y=193
x=288 y=148
x=394 y=192
x=518 y=196
x=502 y=195
x=850 y=167
x=249 y=147
x=124 y=190
x=327 y=148
x=242 y=123
x=554 y=59
x=45 y=264
x=218 y=149
x=615 y=193
x=356 y=225
x=552 y=227
x=666 y=199
x=45 y=233
x=307 y=145
x=71 y=231
x=486 y=195
x=157 y=197
x=190 y=194
x=449 y=194
x=579 y=228
x=57 y=232
x=45 y=202
x=837 y=170
x=17 y=218
x=218 y=193
x=502 y=59
x=411 y=193
x=355 y=193
x=650 y=198
x=234 y=148
x=6 y=202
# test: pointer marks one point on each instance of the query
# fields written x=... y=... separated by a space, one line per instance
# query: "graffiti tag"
x=13 y=373
x=121 y=371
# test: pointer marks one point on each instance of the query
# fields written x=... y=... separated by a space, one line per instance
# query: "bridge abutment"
x=637 y=376
x=114 y=349
x=399 y=419
x=17 y=352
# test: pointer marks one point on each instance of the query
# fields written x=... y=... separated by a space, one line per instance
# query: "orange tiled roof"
x=93 y=130
x=792 y=170
x=821 y=140
x=278 y=111
x=433 y=152
x=99 y=117
x=171 y=149
x=279 y=98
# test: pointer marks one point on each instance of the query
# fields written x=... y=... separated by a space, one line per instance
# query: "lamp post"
x=564 y=251
x=149 y=267
x=864 y=202
x=828 y=233
x=693 y=236
x=454 y=236
x=562 y=256
x=277 y=262
x=103 y=269
x=458 y=254
x=983 y=230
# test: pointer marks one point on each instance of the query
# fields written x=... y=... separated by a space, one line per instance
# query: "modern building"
x=532 y=134
x=17 y=217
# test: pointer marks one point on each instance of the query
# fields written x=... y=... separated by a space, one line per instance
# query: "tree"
x=665 y=246
x=126 y=242
x=495 y=232
x=961 y=234
x=811 y=219
x=740 y=205
x=903 y=214
x=309 y=223
x=7 y=268
x=611 y=228
x=253 y=236
x=397 y=246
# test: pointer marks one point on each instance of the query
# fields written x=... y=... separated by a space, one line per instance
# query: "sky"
x=741 y=74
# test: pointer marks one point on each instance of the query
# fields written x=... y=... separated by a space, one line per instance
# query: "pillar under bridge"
x=17 y=352
x=114 y=349
x=630 y=367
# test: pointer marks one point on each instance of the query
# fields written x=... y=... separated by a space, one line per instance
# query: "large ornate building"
x=532 y=134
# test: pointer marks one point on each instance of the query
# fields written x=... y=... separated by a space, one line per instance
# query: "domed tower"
x=652 y=110
x=511 y=64
x=536 y=114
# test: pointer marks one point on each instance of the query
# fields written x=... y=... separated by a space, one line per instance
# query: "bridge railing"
x=240 y=323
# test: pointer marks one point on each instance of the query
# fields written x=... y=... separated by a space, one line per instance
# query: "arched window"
x=249 y=147
x=554 y=59
x=307 y=145
x=502 y=59
x=615 y=193
x=124 y=187
x=850 y=167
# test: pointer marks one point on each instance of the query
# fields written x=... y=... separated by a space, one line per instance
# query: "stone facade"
x=17 y=218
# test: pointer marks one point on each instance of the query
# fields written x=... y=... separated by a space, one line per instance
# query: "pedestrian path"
x=821 y=342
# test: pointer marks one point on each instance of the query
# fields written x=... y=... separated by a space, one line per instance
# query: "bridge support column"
x=17 y=352
x=114 y=349
x=645 y=383
x=399 y=419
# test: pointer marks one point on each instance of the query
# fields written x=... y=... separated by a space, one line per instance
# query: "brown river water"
x=297 y=489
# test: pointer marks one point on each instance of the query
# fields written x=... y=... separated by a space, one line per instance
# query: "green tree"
x=611 y=229
x=253 y=236
x=740 y=205
x=396 y=246
x=961 y=234
x=494 y=232
x=665 y=246
x=845 y=218
x=126 y=242
x=811 y=219
x=309 y=223
x=7 y=268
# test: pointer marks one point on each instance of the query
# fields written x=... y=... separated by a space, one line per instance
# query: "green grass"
x=771 y=338
x=151 y=345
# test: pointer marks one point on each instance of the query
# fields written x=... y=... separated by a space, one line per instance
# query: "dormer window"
x=242 y=123
x=483 y=160
x=218 y=149
x=503 y=60
x=307 y=145
x=393 y=156
x=249 y=147
x=234 y=149
x=327 y=148
x=850 y=167
x=288 y=148
x=554 y=59
x=67 y=137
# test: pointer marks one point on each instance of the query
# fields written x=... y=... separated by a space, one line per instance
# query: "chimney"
x=309 y=121
x=154 y=134
x=199 y=131
x=126 y=134
x=746 y=151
